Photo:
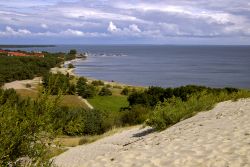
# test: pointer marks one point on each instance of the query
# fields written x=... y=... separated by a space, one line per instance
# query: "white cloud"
x=112 y=27
x=45 y=26
x=102 y=18
x=9 y=31
x=72 y=32
x=131 y=30
x=134 y=28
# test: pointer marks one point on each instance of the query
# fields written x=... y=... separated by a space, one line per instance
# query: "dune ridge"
x=219 y=137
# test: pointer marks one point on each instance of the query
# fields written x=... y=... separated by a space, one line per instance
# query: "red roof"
x=20 y=54
x=17 y=54
x=3 y=51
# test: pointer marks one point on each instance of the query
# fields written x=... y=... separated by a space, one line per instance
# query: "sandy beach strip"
x=216 y=138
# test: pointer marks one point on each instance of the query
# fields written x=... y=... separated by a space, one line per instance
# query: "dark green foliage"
x=125 y=91
x=84 y=90
x=105 y=92
x=153 y=95
x=76 y=121
x=137 y=114
x=58 y=83
x=19 y=68
x=71 y=66
x=72 y=52
x=23 y=123
x=28 y=85
x=176 y=109
x=97 y=83
x=71 y=55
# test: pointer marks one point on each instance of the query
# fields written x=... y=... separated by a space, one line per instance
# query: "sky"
x=222 y=22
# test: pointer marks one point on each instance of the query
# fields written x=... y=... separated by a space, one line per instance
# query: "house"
x=3 y=51
x=18 y=54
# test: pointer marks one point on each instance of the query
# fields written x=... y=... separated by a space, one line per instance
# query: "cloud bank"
x=127 y=21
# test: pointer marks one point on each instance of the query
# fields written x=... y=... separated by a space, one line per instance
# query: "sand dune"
x=21 y=84
x=217 y=138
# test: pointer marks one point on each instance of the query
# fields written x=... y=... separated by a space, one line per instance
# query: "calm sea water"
x=167 y=66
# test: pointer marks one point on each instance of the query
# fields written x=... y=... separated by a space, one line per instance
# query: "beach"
x=219 y=137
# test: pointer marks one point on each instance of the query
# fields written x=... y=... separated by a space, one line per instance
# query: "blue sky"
x=125 y=22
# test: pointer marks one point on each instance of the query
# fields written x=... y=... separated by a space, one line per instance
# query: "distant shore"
x=26 y=46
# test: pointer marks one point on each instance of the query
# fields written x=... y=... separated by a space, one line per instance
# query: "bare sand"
x=22 y=84
x=62 y=70
x=216 y=138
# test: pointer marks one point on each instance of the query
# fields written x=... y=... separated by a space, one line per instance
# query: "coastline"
x=71 y=71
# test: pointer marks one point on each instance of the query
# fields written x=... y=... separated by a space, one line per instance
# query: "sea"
x=163 y=65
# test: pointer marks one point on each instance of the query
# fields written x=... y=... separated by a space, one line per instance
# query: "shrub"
x=86 y=91
x=71 y=66
x=28 y=85
x=23 y=127
x=105 y=92
x=125 y=91
x=136 y=115
x=176 y=109
x=57 y=83
x=98 y=83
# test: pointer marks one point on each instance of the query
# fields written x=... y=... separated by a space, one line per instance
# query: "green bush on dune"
x=175 y=109
x=24 y=130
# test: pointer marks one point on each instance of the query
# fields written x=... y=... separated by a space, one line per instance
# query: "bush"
x=71 y=66
x=24 y=124
x=105 y=92
x=125 y=91
x=86 y=91
x=136 y=115
x=98 y=83
x=28 y=85
x=58 y=83
x=176 y=109
x=151 y=96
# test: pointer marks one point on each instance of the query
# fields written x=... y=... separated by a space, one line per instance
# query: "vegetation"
x=58 y=83
x=57 y=111
x=151 y=96
x=71 y=66
x=109 y=103
x=97 y=83
x=84 y=89
x=175 y=109
x=20 y=68
x=29 y=122
x=105 y=92
x=125 y=91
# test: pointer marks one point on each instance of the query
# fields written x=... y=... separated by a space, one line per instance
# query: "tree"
x=125 y=91
x=84 y=90
x=105 y=92
x=71 y=66
x=72 y=52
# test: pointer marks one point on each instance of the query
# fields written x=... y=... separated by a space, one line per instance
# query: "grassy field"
x=67 y=100
x=73 y=101
x=109 y=103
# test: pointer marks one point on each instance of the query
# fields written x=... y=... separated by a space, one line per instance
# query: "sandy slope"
x=218 y=138
x=22 y=84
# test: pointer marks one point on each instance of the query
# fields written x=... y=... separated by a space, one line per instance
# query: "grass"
x=24 y=93
x=73 y=101
x=67 y=100
x=109 y=103
x=67 y=141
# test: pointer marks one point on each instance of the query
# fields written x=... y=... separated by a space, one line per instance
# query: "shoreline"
x=64 y=70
